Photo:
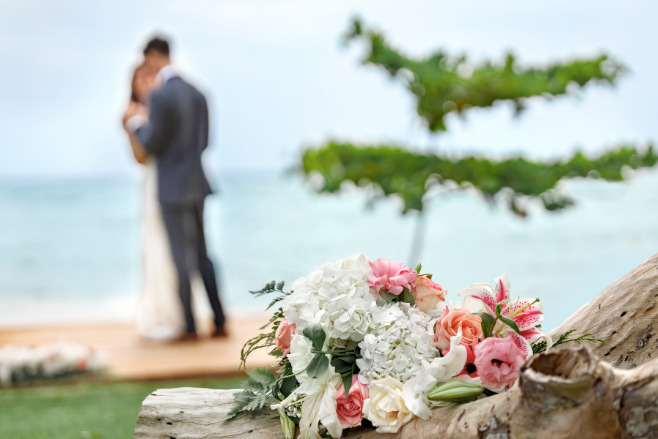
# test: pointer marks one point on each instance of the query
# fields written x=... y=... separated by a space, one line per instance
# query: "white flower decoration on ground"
x=400 y=339
x=336 y=296
x=52 y=360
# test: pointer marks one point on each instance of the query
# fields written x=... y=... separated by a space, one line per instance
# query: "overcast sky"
x=278 y=78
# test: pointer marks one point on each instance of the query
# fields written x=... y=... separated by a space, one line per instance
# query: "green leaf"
x=391 y=297
x=347 y=382
x=342 y=364
x=253 y=386
x=318 y=365
x=316 y=334
x=407 y=297
x=287 y=385
x=418 y=268
x=262 y=375
x=487 y=323
x=511 y=323
x=499 y=308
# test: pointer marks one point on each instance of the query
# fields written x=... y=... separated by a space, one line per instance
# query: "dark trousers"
x=184 y=224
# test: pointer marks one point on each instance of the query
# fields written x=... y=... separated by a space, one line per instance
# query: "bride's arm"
x=139 y=152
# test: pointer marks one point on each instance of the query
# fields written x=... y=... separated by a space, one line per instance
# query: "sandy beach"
x=131 y=358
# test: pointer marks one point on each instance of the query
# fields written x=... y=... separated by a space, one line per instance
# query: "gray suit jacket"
x=177 y=134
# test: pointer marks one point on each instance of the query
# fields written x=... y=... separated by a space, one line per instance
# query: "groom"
x=176 y=132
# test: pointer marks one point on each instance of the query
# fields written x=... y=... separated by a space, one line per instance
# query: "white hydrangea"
x=400 y=339
x=336 y=296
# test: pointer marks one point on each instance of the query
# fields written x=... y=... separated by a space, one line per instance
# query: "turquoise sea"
x=70 y=249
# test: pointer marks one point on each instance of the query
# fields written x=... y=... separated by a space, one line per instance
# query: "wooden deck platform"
x=131 y=358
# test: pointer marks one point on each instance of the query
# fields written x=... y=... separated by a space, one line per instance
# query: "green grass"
x=83 y=410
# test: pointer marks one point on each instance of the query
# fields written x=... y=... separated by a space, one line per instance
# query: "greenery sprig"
x=264 y=387
x=265 y=339
x=257 y=392
x=540 y=346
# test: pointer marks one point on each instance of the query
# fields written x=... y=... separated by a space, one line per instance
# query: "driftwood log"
x=625 y=315
x=605 y=390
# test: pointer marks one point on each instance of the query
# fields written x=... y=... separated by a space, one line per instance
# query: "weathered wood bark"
x=188 y=412
x=568 y=392
x=625 y=315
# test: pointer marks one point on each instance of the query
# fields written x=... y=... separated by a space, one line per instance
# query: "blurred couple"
x=167 y=124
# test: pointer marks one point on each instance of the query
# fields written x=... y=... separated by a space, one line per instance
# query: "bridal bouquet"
x=376 y=342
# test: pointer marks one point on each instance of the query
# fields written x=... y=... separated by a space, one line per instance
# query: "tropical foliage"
x=443 y=84
x=393 y=170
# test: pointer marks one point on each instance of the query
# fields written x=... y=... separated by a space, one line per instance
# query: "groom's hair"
x=158 y=44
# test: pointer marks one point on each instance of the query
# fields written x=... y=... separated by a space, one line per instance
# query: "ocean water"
x=70 y=249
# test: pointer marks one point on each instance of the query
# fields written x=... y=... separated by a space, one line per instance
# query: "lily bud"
x=455 y=391
x=287 y=424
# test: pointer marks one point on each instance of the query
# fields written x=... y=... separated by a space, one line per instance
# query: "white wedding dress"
x=160 y=314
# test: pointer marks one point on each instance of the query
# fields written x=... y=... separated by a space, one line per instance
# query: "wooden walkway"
x=131 y=358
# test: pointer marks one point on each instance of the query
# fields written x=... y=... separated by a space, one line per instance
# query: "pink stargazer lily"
x=526 y=313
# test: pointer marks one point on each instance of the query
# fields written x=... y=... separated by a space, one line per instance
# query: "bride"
x=159 y=313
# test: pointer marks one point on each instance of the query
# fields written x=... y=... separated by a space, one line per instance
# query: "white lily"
x=439 y=370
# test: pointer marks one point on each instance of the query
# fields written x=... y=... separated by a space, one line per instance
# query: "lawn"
x=83 y=410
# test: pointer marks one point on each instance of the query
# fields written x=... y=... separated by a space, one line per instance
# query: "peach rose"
x=428 y=293
x=283 y=336
x=350 y=409
x=454 y=319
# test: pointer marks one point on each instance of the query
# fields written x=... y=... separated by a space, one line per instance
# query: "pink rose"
x=283 y=336
x=391 y=276
x=428 y=293
x=498 y=361
x=350 y=409
x=452 y=321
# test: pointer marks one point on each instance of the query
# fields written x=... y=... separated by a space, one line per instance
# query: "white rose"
x=300 y=353
x=385 y=407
